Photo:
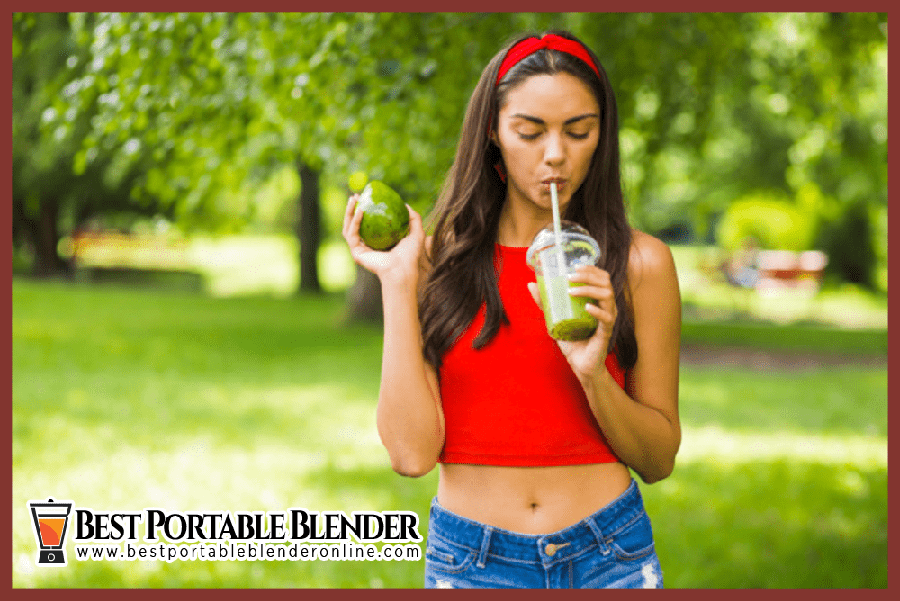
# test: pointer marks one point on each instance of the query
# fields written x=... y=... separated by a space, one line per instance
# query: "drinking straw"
x=557 y=228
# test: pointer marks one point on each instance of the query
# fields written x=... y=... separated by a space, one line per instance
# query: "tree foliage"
x=203 y=107
x=52 y=190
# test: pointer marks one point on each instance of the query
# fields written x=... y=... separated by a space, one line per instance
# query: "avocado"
x=385 y=216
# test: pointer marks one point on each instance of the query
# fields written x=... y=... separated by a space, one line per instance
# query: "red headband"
x=550 y=41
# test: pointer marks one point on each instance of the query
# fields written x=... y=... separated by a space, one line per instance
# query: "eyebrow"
x=542 y=122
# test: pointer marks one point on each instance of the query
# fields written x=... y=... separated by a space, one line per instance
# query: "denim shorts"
x=611 y=549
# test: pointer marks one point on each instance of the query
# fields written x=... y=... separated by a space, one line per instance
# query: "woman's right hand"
x=409 y=416
x=399 y=264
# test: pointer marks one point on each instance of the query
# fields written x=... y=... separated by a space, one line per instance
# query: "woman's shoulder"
x=650 y=260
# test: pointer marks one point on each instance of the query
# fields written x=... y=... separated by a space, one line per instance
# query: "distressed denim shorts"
x=611 y=549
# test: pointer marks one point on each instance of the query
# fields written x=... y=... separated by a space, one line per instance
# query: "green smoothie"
x=565 y=315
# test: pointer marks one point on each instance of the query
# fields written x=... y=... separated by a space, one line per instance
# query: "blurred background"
x=189 y=332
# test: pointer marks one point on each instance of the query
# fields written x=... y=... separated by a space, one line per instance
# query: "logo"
x=295 y=534
x=51 y=520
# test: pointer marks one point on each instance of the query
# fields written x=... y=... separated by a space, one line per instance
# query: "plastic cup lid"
x=573 y=236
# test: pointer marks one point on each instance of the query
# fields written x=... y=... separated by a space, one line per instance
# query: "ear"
x=494 y=137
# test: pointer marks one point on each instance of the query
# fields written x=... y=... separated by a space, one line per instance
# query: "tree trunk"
x=364 y=298
x=41 y=235
x=309 y=228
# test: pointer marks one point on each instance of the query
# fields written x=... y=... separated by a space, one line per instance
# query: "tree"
x=227 y=102
x=49 y=196
x=712 y=106
x=805 y=117
x=234 y=96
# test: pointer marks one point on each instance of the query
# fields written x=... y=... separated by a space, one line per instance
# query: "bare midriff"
x=530 y=500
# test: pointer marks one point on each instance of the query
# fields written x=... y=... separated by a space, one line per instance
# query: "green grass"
x=129 y=398
x=791 y=337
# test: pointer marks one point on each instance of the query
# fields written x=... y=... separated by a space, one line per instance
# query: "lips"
x=560 y=183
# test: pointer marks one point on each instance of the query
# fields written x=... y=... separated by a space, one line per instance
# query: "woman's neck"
x=519 y=223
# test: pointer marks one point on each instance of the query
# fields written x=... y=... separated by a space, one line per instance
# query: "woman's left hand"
x=587 y=357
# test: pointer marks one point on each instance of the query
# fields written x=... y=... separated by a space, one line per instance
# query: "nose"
x=555 y=149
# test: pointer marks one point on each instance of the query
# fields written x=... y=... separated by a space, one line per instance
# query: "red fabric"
x=516 y=401
x=549 y=41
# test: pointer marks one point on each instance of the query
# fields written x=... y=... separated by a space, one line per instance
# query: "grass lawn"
x=799 y=337
x=125 y=399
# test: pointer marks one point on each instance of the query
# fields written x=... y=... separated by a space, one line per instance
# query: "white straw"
x=557 y=227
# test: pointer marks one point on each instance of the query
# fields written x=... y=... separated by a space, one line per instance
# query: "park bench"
x=781 y=269
x=100 y=254
x=778 y=285
x=217 y=265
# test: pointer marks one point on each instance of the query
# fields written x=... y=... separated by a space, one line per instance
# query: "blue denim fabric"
x=611 y=549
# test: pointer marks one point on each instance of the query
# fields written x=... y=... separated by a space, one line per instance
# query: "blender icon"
x=50 y=523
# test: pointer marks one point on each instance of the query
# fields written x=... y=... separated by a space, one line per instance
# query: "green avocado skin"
x=385 y=217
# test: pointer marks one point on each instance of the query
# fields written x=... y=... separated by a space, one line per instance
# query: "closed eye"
x=571 y=134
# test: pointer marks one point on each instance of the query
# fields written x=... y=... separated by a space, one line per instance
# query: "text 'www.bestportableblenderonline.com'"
x=246 y=536
x=249 y=551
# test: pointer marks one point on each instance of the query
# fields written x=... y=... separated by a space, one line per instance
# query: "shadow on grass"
x=781 y=524
x=154 y=369
x=834 y=402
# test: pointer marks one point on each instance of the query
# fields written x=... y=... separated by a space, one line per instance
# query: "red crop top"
x=516 y=401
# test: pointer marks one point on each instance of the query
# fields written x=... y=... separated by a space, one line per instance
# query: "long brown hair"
x=467 y=214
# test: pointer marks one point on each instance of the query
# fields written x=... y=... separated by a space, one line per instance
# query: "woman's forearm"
x=409 y=417
x=644 y=438
x=641 y=421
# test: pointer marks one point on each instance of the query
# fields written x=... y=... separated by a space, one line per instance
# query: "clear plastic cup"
x=565 y=315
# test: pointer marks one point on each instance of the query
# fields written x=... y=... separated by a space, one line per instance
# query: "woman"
x=535 y=438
